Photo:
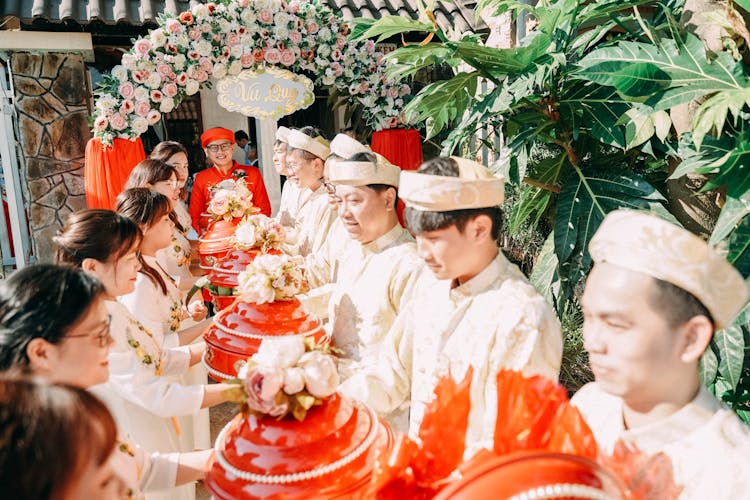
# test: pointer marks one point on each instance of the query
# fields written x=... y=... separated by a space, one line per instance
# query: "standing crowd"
x=105 y=395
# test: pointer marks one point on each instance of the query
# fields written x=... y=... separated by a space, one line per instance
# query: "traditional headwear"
x=647 y=244
x=345 y=146
x=475 y=187
x=216 y=134
x=362 y=173
x=315 y=145
x=282 y=134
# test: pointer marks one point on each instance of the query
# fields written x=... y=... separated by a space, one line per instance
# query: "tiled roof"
x=458 y=15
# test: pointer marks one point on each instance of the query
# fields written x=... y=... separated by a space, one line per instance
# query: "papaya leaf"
x=708 y=367
x=641 y=79
x=731 y=213
x=739 y=247
x=731 y=348
x=501 y=62
x=713 y=113
x=388 y=26
x=584 y=201
x=407 y=61
x=534 y=200
x=597 y=110
x=544 y=273
x=441 y=103
x=683 y=59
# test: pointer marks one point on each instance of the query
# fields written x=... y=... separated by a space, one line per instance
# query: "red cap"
x=216 y=134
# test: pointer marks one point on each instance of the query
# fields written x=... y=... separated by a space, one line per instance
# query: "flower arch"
x=219 y=39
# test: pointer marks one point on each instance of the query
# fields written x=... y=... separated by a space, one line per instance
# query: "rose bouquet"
x=272 y=277
x=259 y=231
x=231 y=199
x=287 y=376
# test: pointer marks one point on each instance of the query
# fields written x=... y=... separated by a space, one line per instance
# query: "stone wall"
x=52 y=99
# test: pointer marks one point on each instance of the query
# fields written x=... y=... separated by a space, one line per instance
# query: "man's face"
x=220 y=152
x=242 y=142
x=363 y=211
x=445 y=251
x=306 y=172
x=633 y=351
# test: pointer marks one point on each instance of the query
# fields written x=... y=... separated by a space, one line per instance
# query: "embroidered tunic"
x=707 y=442
x=143 y=471
x=375 y=281
x=494 y=321
x=314 y=220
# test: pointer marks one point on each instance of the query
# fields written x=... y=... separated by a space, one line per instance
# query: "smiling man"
x=218 y=144
x=481 y=312
x=651 y=304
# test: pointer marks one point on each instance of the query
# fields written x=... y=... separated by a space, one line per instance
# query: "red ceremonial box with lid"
x=328 y=455
x=216 y=242
x=236 y=332
x=224 y=274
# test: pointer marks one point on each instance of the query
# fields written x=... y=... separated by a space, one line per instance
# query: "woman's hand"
x=197 y=310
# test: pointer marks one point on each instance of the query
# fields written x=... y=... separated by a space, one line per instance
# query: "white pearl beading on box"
x=563 y=490
x=214 y=371
x=238 y=333
x=296 y=476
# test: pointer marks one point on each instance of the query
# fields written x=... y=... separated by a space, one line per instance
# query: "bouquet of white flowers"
x=231 y=199
x=272 y=277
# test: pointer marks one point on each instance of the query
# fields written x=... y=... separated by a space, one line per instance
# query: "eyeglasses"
x=102 y=339
x=214 y=148
x=330 y=189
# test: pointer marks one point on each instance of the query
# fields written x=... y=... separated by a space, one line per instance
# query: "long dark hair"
x=149 y=172
x=145 y=208
x=166 y=150
x=98 y=234
x=41 y=301
x=50 y=433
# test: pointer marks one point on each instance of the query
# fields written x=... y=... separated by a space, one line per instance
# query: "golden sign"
x=265 y=92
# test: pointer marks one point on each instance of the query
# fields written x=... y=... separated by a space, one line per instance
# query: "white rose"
x=261 y=4
x=254 y=287
x=248 y=17
x=245 y=234
x=158 y=37
x=154 y=80
x=120 y=72
x=236 y=52
x=321 y=375
x=192 y=86
x=328 y=80
x=200 y=10
x=179 y=60
x=220 y=71
x=166 y=105
x=294 y=380
x=324 y=34
x=324 y=51
x=139 y=125
x=203 y=47
x=106 y=102
x=281 y=352
x=141 y=93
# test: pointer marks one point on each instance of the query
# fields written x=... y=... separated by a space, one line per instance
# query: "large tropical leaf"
x=713 y=113
x=728 y=158
x=440 y=103
x=534 y=200
x=407 y=61
x=677 y=70
x=388 y=26
x=730 y=343
x=501 y=62
x=739 y=247
x=584 y=201
x=544 y=273
x=597 y=110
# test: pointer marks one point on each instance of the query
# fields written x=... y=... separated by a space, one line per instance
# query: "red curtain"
x=106 y=170
x=402 y=147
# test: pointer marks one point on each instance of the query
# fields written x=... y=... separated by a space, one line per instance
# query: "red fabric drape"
x=106 y=170
x=402 y=147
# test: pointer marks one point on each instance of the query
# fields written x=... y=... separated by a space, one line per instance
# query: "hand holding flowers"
x=272 y=277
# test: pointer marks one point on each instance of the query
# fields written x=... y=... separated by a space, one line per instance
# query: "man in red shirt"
x=218 y=143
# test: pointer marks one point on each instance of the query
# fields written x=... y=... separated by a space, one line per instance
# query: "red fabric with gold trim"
x=106 y=170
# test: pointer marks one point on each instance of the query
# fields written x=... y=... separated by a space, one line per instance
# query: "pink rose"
x=364 y=87
x=142 y=46
x=294 y=380
x=391 y=122
x=127 y=90
x=206 y=28
x=340 y=42
x=294 y=6
x=393 y=92
x=169 y=90
x=117 y=121
x=295 y=37
x=247 y=60
x=320 y=373
x=338 y=71
x=127 y=107
x=153 y=117
x=258 y=55
x=287 y=57
x=142 y=108
x=164 y=69
x=206 y=64
x=336 y=54
x=194 y=33
x=193 y=55
x=201 y=75
x=262 y=386
x=186 y=17
x=173 y=26
x=156 y=95
x=181 y=79
x=218 y=205
x=273 y=56
x=265 y=16
x=141 y=75
x=233 y=39
x=312 y=27
x=369 y=46
x=100 y=123
x=244 y=3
